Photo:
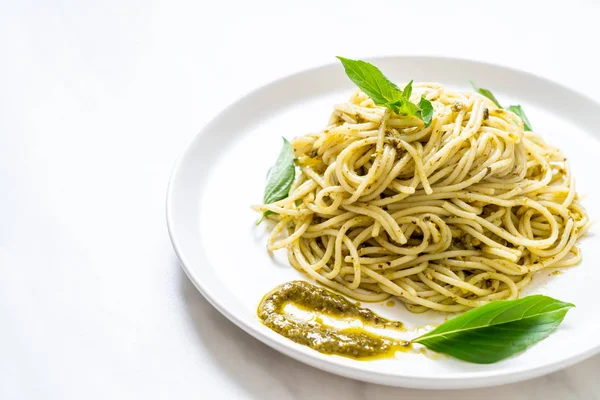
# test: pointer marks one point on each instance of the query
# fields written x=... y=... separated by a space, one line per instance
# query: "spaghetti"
x=447 y=217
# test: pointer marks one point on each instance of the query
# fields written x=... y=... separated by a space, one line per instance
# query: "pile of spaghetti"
x=447 y=217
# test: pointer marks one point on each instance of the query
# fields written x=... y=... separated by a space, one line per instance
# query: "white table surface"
x=97 y=101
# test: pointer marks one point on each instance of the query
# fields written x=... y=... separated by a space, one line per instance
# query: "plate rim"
x=482 y=379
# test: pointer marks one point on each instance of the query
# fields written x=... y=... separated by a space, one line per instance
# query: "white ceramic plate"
x=223 y=252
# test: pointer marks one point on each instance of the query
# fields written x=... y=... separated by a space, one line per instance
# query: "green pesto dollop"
x=351 y=342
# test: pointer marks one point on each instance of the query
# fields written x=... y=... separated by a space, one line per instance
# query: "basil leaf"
x=426 y=111
x=403 y=106
x=371 y=81
x=498 y=329
x=407 y=91
x=519 y=111
x=280 y=177
x=380 y=89
x=486 y=93
x=515 y=109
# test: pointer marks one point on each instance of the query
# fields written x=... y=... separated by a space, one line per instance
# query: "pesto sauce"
x=351 y=342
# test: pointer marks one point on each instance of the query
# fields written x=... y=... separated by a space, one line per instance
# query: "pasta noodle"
x=447 y=217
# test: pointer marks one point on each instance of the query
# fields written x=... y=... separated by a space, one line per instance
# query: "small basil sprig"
x=497 y=330
x=486 y=93
x=383 y=92
x=514 y=109
x=280 y=177
x=519 y=111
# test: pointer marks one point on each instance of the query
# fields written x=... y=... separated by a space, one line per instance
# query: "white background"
x=97 y=101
